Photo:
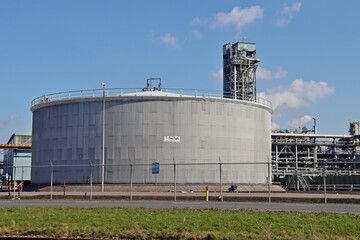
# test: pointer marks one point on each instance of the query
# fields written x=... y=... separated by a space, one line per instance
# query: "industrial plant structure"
x=239 y=70
x=302 y=160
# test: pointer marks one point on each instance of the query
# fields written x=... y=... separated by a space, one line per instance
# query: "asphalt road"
x=294 y=207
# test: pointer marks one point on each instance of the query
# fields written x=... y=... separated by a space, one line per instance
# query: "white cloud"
x=218 y=75
x=298 y=94
x=292 y=9
x=238 y=17
x=265 y=74
x=200 y=21
x=197 y=34
x=169 y=40
x=288 y=12
x=275 y=126
x=300 y=122
x=6 y=122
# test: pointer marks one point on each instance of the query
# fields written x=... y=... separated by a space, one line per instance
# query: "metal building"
x=196 y=130
x=239 y=68
x=17 y=158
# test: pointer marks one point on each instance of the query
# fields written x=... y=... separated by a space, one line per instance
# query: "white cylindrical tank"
x=195 y=133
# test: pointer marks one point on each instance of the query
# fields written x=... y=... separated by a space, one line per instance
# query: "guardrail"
x=115 y=92
x=334 y=187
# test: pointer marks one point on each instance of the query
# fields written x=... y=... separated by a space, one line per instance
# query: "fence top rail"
x=138 y=164
x=118 y=92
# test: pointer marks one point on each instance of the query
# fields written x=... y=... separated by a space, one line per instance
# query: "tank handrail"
x=114 y=92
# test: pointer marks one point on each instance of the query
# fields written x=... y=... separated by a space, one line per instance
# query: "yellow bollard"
x=207 y=193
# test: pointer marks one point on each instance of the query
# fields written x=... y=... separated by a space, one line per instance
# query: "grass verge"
x=175 y=224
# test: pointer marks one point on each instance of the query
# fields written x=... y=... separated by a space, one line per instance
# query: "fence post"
x=51 y=180
x=269 y=179
x=221 y=196
x=324 y=173
x=14 y=181
x=21 y=182
x=131 y=184
x=174 y=179
x=91 y=181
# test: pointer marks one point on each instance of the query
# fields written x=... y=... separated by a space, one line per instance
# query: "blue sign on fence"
x=155 y=168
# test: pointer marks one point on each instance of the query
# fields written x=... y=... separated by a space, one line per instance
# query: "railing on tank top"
x=115 y=92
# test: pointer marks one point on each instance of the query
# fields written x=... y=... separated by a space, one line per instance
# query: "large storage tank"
x=196 y=132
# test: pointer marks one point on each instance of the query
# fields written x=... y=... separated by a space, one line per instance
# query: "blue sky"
x=308 y=50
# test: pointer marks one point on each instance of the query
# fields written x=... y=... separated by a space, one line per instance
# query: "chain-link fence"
x=175 y=177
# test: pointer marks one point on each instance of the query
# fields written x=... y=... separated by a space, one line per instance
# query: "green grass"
x=176 y=224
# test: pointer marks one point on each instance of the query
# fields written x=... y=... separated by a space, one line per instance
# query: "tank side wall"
x=210 y=132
